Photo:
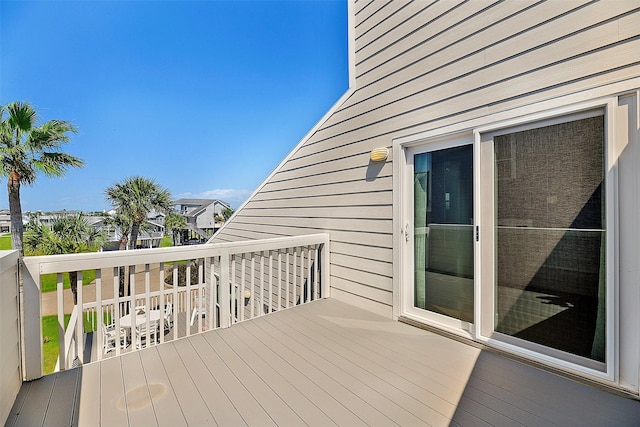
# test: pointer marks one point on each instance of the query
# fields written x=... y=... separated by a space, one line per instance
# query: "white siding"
x=419 y=66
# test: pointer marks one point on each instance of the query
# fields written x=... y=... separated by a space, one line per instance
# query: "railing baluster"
x=99 y=322
x=270 y=281
x=189 y=296
x=253 y=283
x=62 y=363
x=80 y=324
x=261 y=306
x=279 y=305
x=316 y=290
x=287 y=277
x=224 y=290
x=176 y=301
x=295 y=275
x=132 y=305
x=161 y=298
x=116 y=304
x=200 y=294
x=243 y=272
x=147 y=303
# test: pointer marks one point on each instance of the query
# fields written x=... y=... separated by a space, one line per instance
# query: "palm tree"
x=176 y=223
x=27 y=149
x=226 y=213
x=134 y=198
x=69 y=234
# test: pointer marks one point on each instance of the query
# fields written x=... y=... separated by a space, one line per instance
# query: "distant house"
x=149 y=237
x=202 y=215
x=481 y=177
x=5 y=221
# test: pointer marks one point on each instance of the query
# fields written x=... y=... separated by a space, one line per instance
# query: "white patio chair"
x=141 y=334
x=168 y=315
x=110 y=338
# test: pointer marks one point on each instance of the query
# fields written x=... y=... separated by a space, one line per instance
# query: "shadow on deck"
x=323 y=363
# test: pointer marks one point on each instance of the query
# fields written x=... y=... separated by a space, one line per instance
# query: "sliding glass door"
x=549 y=251
x=443 y=236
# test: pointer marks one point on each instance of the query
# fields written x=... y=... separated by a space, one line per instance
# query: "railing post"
x=225 y=290
x=325 y=254
x=32 y=322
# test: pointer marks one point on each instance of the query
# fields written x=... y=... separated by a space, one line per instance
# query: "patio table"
x=154 y=315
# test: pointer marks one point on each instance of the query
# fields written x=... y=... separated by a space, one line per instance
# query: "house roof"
x=198 y=202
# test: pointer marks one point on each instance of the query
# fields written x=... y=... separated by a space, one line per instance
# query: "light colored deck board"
x=139 y=405
x=65 y=388
x=262 y=354
x=417 y=398
x=112 y=397
x=214 y=396
x=192 y=403
x=394 y=399
x=381 y=371
x=168 y=411
x=450 y=382
x=250 y=410
x=277 y=409
x=89 y=395
x=366 y=403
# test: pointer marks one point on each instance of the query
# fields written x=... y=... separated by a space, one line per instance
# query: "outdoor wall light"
x=379 y=154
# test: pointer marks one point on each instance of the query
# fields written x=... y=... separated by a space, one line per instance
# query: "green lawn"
x=49 y=282
x=5 y=241
x=166 y=241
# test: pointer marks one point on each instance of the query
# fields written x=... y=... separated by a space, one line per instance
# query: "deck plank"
x=439 y=376
x=37 y=402
x=89 y=399
x=61 y=406
x=137 y=391
x=363 y=404
x=216 y=400
x=307 y=400
x=18 y=404
x=430 y=407
x=165 y=403
x=366 y=385
x=113 y=409
x=192 y=403
x=242 y=399
x=278 y=410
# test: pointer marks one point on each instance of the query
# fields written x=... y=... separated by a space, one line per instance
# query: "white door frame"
x=471 y=132
x=404 y=153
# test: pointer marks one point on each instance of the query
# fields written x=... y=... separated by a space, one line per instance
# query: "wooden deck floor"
x=324 y=363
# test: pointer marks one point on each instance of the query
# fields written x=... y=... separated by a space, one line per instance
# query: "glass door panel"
x=550 y=236
x=443 y=232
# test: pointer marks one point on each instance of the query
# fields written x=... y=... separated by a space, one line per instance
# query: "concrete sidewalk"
x=50 y=299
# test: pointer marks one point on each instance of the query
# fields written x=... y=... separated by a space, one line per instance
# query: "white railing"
x=218 y=285
x=10 y=375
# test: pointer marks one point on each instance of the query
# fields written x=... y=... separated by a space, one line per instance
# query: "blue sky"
x=205 y=97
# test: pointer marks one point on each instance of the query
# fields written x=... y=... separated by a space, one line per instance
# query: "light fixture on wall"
x=379 y=154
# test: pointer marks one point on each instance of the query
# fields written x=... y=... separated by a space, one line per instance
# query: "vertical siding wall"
x=421 y=65
x=10 y=376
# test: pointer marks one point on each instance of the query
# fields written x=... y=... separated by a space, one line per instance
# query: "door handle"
x=406 y=232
